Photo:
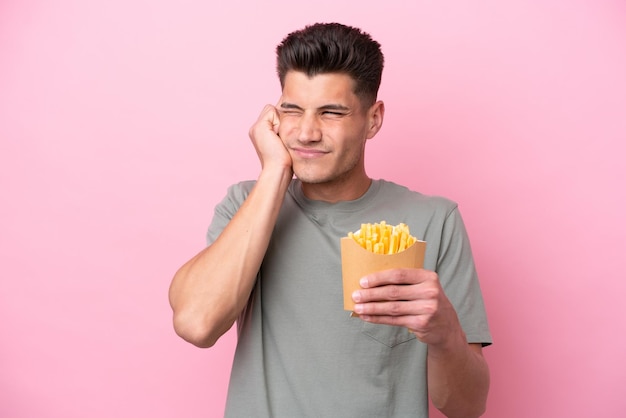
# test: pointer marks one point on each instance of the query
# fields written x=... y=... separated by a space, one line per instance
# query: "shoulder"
x=402 y=195
x=238 y=192
x=244 y=186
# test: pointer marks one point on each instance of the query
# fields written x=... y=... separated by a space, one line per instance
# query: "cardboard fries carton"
x=357 y=262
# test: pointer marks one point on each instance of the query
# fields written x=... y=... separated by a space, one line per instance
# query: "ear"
x=375 y=116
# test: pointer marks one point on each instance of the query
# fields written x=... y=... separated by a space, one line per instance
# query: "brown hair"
x=333 y=48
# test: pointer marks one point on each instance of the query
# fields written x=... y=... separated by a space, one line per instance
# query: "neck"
x=337 y=190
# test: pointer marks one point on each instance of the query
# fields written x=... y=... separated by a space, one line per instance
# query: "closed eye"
x=335 y=110
x=290 y=109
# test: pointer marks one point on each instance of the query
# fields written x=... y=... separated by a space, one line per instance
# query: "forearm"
x=209 y=291
x=458 y=379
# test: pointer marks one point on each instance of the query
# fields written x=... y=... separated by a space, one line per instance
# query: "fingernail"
x=358 y=308
x=363 y=282
x=356 y=296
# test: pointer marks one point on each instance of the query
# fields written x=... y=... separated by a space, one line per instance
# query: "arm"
x=458 y=380
x=458 y=376
x=208 y=293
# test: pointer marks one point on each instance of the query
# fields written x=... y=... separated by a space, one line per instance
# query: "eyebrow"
x=287 y=105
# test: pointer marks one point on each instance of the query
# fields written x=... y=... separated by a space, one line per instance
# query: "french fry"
x=381 y=238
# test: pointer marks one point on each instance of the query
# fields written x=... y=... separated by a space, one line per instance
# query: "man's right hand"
x=268 y=145
x=209 y=292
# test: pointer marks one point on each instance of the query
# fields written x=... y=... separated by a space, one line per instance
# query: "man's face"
x=324 y=127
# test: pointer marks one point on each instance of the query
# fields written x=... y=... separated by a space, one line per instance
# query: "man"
x=273 y=261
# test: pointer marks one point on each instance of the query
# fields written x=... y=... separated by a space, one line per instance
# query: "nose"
x=309 y=129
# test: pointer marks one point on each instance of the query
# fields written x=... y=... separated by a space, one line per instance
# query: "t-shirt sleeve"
x=226 y=209
x=457 y=273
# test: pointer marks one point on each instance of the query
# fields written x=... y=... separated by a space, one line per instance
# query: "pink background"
x=122 y=123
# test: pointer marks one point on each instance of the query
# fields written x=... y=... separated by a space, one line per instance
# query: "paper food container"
x=357 y=262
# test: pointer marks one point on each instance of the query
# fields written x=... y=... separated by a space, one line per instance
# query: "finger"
x=275 y=122
x=270 y=117
x=396 y=276
x=267 y=109
x=418 y=325
x=397 y=308
x=403 y=321
x=277 y=110
x=386 y=293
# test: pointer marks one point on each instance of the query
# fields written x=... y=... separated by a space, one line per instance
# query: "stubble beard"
x=337 y=176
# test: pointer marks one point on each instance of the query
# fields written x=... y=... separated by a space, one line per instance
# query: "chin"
x=311 y=178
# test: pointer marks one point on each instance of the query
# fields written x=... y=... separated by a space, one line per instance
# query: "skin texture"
x=318 y=131
x=324 y=128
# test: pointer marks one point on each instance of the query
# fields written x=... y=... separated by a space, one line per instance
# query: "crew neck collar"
x=295 y=189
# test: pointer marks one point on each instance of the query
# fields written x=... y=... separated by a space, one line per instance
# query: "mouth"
x=308 y=153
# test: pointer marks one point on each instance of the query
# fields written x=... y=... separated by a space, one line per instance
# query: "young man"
x=273 y=262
